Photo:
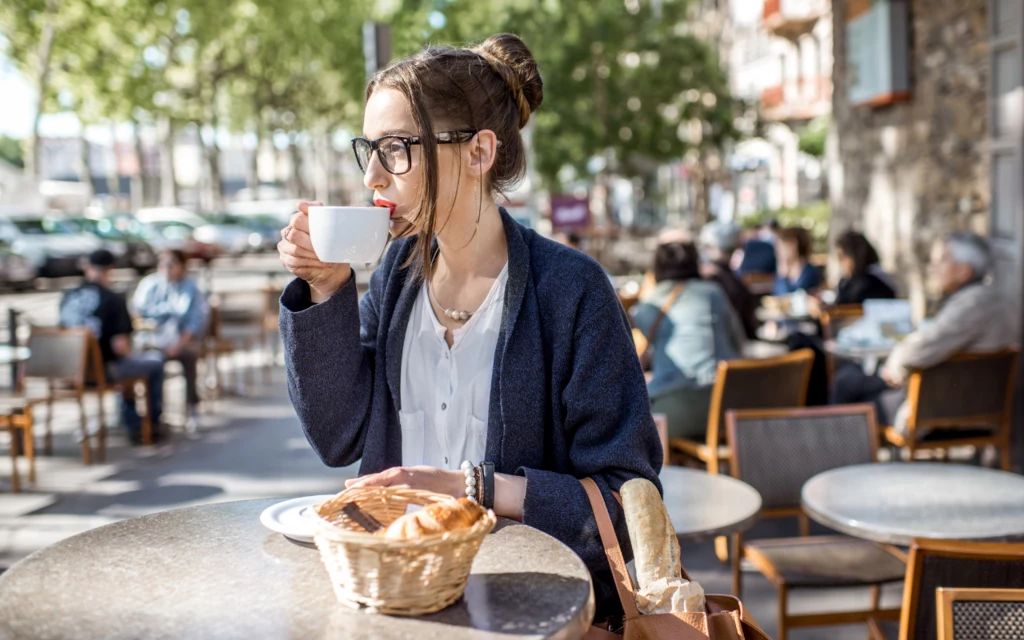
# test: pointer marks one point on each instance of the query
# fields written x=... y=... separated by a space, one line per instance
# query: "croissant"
x=437 y=518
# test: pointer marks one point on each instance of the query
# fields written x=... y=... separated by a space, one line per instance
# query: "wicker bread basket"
x=397 y=577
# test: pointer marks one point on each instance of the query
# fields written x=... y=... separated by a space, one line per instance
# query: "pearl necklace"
x=452 y=314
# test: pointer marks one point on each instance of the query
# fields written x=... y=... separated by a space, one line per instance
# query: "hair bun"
x=511 y=59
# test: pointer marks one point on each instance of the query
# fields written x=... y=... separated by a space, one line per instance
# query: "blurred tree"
x=11 y=150
x=627 y=86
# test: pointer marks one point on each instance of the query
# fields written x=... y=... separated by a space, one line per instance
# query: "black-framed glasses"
x=394 y=152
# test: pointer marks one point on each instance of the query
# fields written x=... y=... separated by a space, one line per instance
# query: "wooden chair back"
x=770 y=383
x=59 y=354
x=776 y=451
x=271 y=308
x=759 y=284
x=834 y=319
x=968 y=390
x=95 y=370
x=953 y=564
x=980 y=613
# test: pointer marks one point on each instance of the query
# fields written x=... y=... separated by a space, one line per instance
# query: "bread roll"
x=437 y=518
x=655 y=546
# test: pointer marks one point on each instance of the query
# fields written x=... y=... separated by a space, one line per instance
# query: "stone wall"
x=906 y=174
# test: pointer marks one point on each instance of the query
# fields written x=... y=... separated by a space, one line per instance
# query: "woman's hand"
x=452 y=483
x=297 y=255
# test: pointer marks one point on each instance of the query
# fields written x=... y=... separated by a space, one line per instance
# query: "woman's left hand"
x=451 y=483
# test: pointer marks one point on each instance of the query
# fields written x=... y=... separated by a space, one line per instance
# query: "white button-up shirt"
x=446 y=393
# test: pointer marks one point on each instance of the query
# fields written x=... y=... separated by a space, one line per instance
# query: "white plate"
x=287 y=518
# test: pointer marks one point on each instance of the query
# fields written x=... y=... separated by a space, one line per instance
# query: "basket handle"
x=610 y=542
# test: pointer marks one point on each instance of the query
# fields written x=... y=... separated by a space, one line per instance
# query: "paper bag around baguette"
x=656 y=553
x=435 y=519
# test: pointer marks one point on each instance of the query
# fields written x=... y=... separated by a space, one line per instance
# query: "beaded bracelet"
x=474 y=486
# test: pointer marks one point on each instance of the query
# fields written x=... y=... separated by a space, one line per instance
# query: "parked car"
x=54 y=247
x=264 y=231
x=232 y=239
x=131 y=249
x=16 y=271
x=178 y=235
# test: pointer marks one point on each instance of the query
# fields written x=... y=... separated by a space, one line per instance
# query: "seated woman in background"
x=699 y=329
x=795 y=271
x=862 y=277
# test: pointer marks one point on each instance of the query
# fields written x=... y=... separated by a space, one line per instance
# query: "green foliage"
x=813 y=137
x=815 y=217
x=11 y=151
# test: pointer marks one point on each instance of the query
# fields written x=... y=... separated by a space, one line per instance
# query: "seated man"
x=974 y=318
x=759 y=250
x=105 y=313
x=718 y=243
x=179 y=310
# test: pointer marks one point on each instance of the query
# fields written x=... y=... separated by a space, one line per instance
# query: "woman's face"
x=845 y=264
x=388 y=113
x=788 y=250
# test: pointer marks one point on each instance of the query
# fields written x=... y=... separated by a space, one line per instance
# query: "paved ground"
x=252 y=447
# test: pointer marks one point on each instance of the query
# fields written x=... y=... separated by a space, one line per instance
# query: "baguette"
x=655 y=546
x=437 y=518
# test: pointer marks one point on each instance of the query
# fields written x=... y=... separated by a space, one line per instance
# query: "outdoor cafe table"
x=897 y=502
x=214 y=571
x=868 y=356
x=14 y=355
x=702 y=505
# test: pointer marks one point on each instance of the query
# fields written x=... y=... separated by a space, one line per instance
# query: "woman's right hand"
x=297 y=255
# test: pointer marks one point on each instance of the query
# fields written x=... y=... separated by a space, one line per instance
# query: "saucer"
x=288 y=518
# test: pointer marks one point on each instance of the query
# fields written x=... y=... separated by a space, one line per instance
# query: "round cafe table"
x=14 y=355
x=897 y=502
x=213 y=571
x=702 y=505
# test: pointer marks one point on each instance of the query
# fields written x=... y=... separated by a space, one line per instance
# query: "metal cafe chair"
x=980 y=613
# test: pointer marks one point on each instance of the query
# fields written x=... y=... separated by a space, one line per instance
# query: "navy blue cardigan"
x=568 y=398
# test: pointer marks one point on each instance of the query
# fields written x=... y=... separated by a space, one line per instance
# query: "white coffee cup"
x=353 y=235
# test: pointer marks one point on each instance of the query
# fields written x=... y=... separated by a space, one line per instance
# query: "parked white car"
x=232 y=239
x=53 y=248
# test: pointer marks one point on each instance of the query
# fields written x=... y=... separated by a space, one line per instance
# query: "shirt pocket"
x=476 y=440
x=412 y=438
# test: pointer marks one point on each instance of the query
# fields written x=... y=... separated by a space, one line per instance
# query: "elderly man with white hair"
x=974 y=318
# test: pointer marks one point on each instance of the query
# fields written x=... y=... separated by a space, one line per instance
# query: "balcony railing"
x=797 y=99
x=792 y=18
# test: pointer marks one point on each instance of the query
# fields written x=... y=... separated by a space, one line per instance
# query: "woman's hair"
x=800 y=237
x=676 y=261
x=495 y=85
x=859 y=250
x=177 y=255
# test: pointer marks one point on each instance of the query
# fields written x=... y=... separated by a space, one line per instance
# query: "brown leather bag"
x=723 y=620
x=645 y=343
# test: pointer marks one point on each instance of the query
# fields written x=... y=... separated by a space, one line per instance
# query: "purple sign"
x=569 y=212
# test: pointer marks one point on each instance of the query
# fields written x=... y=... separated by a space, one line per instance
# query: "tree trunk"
x=212 y=150
x=252 y=181
x=168 y=180
x=299 y=189
x=84 y=165
x=138 y=183
x=114 y=172
x=322 y=172
x=43 y=57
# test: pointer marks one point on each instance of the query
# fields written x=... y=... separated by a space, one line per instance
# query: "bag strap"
x=610 y=542
x=678 y=289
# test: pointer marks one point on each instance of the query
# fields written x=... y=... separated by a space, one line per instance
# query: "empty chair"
x=771 y=383
x=967 y=400
x=965 y=614
x=950 y=565
x=776 y=452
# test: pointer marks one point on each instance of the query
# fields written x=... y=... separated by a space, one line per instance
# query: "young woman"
x=698 y=329
x=863 y=278
x=478 y=340
x=795 y=270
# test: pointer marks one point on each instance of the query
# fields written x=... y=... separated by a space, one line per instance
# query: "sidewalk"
x=248 y=447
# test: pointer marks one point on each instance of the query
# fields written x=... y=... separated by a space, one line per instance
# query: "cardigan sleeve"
x=330 y=347
x=611 y=434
